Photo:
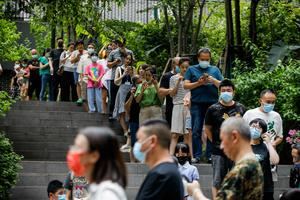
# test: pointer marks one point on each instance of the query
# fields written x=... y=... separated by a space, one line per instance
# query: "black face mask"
x=182 y=159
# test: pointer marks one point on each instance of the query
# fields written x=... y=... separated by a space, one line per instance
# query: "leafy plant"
x=5 y=103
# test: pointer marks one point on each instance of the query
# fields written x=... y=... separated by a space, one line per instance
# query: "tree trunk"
x=171 y=42
x=229 y=54
x=197 y=31
x=53 y=36
x=252 y=24
x=188 y=25
x=69 y=34
x=238 y=30
x=179 y=21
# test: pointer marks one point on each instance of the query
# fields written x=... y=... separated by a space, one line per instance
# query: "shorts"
x=76 y=77
x=178 y=120
x=221 y=166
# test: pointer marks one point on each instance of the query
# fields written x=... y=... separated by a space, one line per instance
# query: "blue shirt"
x=205 y=93
x=189 y=171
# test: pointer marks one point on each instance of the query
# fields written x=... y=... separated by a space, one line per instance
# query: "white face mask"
x=90 y=51
x=94 y=58
x=203 y=64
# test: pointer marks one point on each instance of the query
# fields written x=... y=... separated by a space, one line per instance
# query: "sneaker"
x=79 y=102
x=125 y=148
x=195 y=160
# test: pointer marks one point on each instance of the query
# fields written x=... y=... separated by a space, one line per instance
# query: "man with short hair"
x=245 y=180
x=165 y=90
x=55 y=58
x=215 y=115
x=55 y=190
x=203 y=80
x=163 y=181
x=265 y=111
x=34 y=79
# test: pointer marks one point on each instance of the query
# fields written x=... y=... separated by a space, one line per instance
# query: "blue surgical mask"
x=61 y=197
x=255 y=133
x=203 y=64
x=226 y=96
x=177 y=70
x=138 y=154
x=268 y=107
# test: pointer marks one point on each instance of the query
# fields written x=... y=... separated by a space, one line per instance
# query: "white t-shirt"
x=107 y=190
x=181 y=92
x=272 y=118
x=75 y=53
x=68 y=66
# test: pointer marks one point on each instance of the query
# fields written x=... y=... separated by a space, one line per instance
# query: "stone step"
x=47 y=106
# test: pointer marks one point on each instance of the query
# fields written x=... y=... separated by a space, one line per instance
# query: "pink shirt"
x=94 y=70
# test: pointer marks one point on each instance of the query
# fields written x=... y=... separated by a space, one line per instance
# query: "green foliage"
x=9 y=160
x=284 y=79
x=41 y=34
x=10 y=50
x=5 y=103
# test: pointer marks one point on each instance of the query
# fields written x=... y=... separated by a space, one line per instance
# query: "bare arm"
x=174 y=90
x=43 y=66
x=274 y=157
x=128 y=103
x=277 y=141
x=68 y=195
x=190 y=86
x=208 y=132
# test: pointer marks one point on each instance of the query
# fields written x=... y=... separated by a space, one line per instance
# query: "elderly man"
x=34 y=79
x=245 y=180
x=163 y=181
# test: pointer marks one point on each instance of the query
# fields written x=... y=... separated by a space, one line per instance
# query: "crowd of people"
x=197 y=101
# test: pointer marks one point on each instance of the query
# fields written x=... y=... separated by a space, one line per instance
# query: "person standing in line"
x=245 y=180
x=96 y=155
x=46 y=69
x=163 y=181
x=123 y=79
x=165 y=90
x=75 y=58
x=147 y=96
x=94 y=73
x=265 y=154
x=177 y=92
x=54 y=59
x=215 y=115
x=116 y=58
x=68 y=84
x=34 y=79
x=203 y=81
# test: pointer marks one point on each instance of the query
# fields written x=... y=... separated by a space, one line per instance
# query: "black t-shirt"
x=161 y=183
x=165 y=83
x=262 y=154
x=134 y=109
x=55 y=56
x=215 y=116
x=34 y=73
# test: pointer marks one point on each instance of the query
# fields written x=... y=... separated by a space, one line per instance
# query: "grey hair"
x=238 y=124
x=204 y=50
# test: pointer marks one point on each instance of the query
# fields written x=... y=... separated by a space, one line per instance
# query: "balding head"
x=238 y=124
x=34 y=52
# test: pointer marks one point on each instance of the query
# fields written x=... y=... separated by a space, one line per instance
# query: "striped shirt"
x=181 y=92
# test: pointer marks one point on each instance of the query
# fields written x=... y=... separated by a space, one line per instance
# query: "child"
x=14 y=87
x=295 y=171
x=55 y=190
x=188 y=171
x=25 y=83
x=94 y=72
x=76 y=186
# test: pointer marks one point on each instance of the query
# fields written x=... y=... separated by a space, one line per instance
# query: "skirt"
x=120 y=99
x=178 y=119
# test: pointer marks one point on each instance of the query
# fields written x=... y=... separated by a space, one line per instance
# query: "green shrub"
x=9 y=160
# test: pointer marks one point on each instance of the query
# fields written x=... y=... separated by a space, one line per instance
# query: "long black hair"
x=110 y=165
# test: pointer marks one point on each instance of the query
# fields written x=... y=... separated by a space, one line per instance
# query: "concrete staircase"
x=42 y=132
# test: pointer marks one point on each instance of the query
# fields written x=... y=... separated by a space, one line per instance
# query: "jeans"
x=45 y=80
x=133 y=126
x=198 y=111
x=92 y=93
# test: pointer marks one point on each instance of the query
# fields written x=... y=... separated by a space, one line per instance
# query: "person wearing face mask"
x=188 y=171
x=46 y=69
x=215 y=115
x=165 y=90
x=163 y=181
x=96 y=155
x=203 y=80
x=55 y=190
x=34 y=79
x=94 y=73
x=264 y=153
x=54 y=59
x=85 y=60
